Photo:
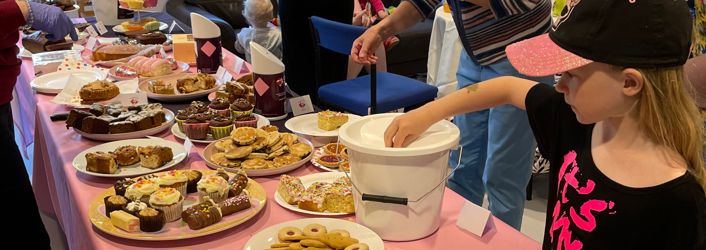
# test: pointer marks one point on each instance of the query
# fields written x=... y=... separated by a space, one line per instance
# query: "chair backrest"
x=335 y=36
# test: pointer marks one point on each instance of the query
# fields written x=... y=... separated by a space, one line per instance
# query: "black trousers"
x=20 y=207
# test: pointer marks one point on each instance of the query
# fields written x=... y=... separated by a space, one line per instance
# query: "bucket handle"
x=401 y=200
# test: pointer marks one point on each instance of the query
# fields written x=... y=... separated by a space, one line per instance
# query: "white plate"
x=144 y=87
x=119 y=28
x=268 y=236
x=261 y=121
x=307 y=125
x=307 y=181
x=319 y=152
x=178 y=150
x=210 y=149
x=26 y=54
x=131 y=135
x=183 y=67
x=53 y=83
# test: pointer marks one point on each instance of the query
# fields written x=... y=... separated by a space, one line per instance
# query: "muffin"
x=168 y=200
x=126 y=155
x=199 y=106
x=176 y=179
x=121 y=185
x=141 y=190
x=241 y=107
x=246 y=121
x=113 y=203
x=213 y=186
x=196 y=127
x=220 y=127
x=194 y=177
x=181 y=116
x=134 y=207
x=220 y=107
x=151 y=220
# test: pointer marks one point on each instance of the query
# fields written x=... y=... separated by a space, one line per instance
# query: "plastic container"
x=398 y=191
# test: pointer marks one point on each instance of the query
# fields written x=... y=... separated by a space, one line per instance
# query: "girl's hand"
x=364 y=47
x=382 y=14
x=406 y=128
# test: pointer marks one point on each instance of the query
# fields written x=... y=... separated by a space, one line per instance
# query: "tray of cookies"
x=177 y=204
x=128 y=158
x=258 y=152
x=179 y=87
x=316 y=233
x=116 y=122
x=324 y=194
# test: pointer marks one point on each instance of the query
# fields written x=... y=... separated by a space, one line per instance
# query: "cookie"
x=290 y=234
x=284 y=160
x=277 y=153
x=257 y=156
x=312 y=243
x=224 y=145
x=336 y=240
x=300 y=150
x=270 y=128
x=238 y=153
x=357 y=246
x=342 y=232
x=218 y=158
x=256 y=163
x=314 y=230
x=276 y=245
x=260 y=143
x=296 y=246
x=289 y=138
x=244 y=135
x=273 y=138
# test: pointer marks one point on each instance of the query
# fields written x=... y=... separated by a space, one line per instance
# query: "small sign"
x=91 y=43
x=220 y=72
x=132 y=99
x=171 y=27
x=101 y=28
x=163 y=53
x=188 y=145
x=473 y=218
x=238 y=65
x=301 y=105
x=91 y=31
x=227 y=77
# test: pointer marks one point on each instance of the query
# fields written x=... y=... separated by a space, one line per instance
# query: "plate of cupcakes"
x=177 y=204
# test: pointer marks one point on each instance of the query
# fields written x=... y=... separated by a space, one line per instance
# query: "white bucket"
x=398 y=191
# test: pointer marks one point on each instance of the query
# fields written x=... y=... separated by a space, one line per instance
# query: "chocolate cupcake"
x=220 y=127
x=181 y=116
x=121 y=185
x=134 y=207
x=220 y=107
x=194 y=178
x=113 y=203
x=246 y=121
x=241 y=107
x=151 y=220
x=196 y=126
x=199 y=106
x=236 y=89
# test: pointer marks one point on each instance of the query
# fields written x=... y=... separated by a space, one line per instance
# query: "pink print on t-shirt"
x=584 y=219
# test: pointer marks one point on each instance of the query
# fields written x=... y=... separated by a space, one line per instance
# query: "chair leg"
x=529 y=188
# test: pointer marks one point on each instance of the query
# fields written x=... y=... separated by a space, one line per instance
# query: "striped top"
x=485 y=32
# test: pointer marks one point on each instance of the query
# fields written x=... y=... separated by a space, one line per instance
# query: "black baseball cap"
x=629 y=33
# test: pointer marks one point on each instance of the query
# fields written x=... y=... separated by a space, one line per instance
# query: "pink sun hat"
x=628 y=33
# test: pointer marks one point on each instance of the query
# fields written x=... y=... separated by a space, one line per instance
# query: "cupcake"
x=113 y=203
x=214 y=187
x=121 y=185
x=199 y=106
x=241 y=107
x=222 y=173
x=134 y=207
x=141 y=190
x=181 y=116
x=151 y=220
x=176 y=179
x=168 y=200
x=220 y=107
x=196 y=127
x=246 y=121
x=194 y=177
x=220 y=127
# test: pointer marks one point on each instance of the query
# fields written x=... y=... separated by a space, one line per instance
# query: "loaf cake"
x=160 y=87
x=314 y=197
x=114 y=52
x=101 y=162
x=330 y=120
x=97 y=91
x=126 y=155
x=150 y=66
x=154 y=156
x=290 y=188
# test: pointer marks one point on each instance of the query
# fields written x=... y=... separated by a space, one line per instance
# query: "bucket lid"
x=263 y=61
x=367 y=135
x=202 y=27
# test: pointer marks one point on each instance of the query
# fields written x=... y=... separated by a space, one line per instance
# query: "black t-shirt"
x=587 y=210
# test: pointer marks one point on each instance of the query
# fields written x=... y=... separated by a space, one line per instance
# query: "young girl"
x=623 y=135
x=258 y=13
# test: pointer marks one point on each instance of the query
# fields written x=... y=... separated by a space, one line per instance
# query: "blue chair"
x=379 y=91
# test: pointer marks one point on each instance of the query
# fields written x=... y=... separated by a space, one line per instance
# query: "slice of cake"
x=290 y=189
x=101 y=162
x=96 y=91
x=338 y=198
x=154 y=156
x=330 y=120
x=314 y=197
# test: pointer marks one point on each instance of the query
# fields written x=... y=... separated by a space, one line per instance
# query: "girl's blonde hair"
x=670 y=117
x=258 y=12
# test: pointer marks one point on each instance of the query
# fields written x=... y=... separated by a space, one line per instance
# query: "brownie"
x=121 y=127
x=141 y=122
x=94 y=125
x=152 y=38
x=97 y=109
x=151 y=106
x=76 y=117
x=114 y=112
x=125 y=115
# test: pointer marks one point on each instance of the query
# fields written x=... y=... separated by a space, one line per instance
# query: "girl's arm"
x=502 y=90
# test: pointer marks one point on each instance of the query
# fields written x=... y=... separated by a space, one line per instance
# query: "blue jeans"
x=497 y=147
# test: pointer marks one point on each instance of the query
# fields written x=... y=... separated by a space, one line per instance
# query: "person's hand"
x=406 y=128
x=364 y=46
x=382 y=14
x=53 y=20
x=358 y=18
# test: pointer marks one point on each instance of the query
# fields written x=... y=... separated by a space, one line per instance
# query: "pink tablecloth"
x=66 y=193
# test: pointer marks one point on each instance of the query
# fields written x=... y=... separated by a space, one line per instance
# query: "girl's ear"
x=633 y=81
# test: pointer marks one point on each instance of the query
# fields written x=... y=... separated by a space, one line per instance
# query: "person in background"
x=620 y=128
x=258 y=13
x=15 y=187
x=362 y=17
x=497 y=142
